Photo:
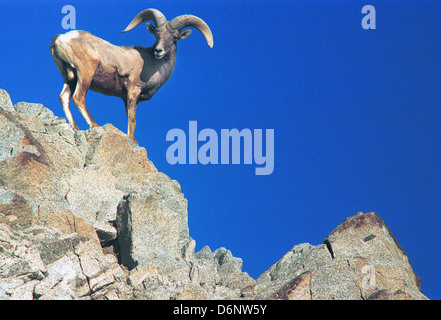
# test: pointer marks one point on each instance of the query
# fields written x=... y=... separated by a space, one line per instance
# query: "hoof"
x=134 y=140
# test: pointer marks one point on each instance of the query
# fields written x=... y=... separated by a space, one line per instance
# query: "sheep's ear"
x=184 y=34
x=150 y=28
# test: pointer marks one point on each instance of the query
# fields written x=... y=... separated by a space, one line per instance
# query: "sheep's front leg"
x=131 y=105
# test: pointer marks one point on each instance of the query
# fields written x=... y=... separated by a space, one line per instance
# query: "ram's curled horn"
x=188 y=20
x=147 y=15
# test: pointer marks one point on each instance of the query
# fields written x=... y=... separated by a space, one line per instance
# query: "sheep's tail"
x=53 y=42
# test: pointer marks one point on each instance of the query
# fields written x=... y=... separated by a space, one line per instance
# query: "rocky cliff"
x=86 y=215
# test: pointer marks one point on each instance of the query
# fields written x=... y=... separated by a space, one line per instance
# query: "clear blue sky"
x=356 y=114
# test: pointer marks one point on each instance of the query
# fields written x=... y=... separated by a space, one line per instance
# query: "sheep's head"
x=167 y=33
x=166 y=38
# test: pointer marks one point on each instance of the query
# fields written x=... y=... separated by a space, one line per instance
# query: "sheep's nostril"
x=158 y=50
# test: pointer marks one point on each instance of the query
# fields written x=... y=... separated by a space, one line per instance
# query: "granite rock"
x=86 y=215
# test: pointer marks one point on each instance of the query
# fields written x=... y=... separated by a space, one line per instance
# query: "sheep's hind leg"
x=79 y=98
x=65 y=96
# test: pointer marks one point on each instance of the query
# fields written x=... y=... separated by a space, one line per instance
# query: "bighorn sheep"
x=134 y=74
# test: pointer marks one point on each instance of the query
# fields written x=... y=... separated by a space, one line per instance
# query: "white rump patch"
x=69 y=36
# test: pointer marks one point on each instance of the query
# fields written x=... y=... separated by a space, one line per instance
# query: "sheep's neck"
x=167 y=66
x=155 y=72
